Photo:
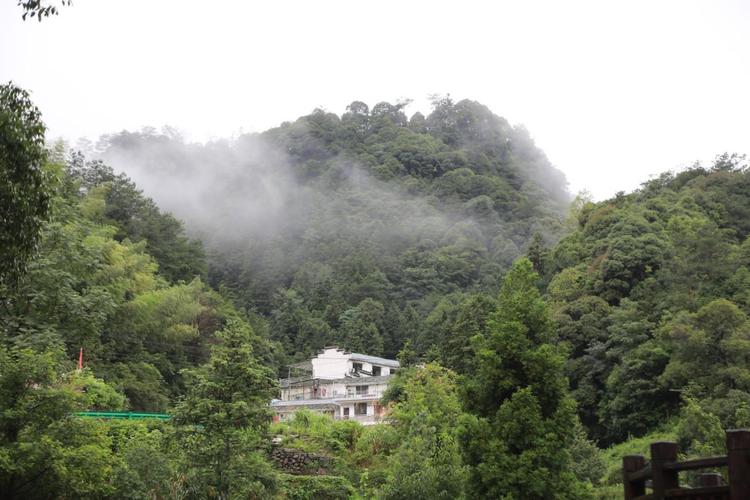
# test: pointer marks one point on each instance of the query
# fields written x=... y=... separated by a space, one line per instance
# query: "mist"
x=226 y=191
x=241 y=193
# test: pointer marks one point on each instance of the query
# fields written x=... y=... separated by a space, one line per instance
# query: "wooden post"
x=630 y=464
x=710 y=479
x=662 y=453
x=738 y=454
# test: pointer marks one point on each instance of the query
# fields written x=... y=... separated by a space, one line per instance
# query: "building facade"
x=342 y=384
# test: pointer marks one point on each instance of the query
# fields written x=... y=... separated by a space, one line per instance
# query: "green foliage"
x=427 y=463
x=635 y=401
x=516 y=351
x=86 y=289
x=97 y=395
x=89 y=285
x=222 y=423
x=314 y=432
x=452 y=324
x=700 y=433
x=145 y=470
x=393 y=239
x=587 y=462
x=24 y=180
x=710 y=351
x=315 y=487
x=115 y=199
x=633 y=446
x=519 y=444
x=43 y=451
x=648 y=293
x=369 y=219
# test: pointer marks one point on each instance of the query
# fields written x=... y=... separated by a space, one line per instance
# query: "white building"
x=342 y=384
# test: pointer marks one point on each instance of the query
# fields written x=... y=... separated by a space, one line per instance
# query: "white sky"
x=613 y=91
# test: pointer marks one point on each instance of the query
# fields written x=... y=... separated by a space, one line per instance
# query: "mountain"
x=351 y=229
x=650 y=293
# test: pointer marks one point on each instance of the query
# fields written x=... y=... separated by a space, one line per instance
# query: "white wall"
x=332 y=363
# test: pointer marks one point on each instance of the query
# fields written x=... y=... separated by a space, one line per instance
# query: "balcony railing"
x=338 y=395
x=362 y=419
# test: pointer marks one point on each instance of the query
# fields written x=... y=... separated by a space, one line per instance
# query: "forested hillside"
x=352 y=229
x=534 y=331
x=650 y=294
x=90 y=264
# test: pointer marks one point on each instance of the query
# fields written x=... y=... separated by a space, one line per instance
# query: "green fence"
x=122 y=415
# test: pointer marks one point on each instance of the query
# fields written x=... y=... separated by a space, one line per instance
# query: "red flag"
x=80 y=359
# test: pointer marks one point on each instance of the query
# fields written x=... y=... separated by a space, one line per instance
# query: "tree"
x=453 y=323
x=537 y=253
x=360 y=327
x=39 y=8
x=710 y=351
x=426 y=417
x=24 y=182
x=519 y=443
x=119 y=202
x=222 y=423
x=44 y=451
x=635 y=401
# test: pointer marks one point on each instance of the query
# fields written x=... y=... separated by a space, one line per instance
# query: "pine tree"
x=518 y=445
x=222 y=423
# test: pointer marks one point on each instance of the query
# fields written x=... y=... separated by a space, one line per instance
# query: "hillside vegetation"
x=650 y=294
x=540 y=337
x=351 y=230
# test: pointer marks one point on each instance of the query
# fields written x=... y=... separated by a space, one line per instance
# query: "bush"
x=315 y=487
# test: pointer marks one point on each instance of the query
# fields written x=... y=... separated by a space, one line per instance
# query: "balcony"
x=362 y=419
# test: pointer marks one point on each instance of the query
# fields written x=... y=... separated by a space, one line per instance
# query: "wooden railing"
x=663 y=472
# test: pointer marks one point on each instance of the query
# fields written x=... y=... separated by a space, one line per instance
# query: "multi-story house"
x=342 y=384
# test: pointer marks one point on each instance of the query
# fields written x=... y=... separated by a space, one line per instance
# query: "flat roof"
x=304 y=402
x=374 y=360
x=307 y=381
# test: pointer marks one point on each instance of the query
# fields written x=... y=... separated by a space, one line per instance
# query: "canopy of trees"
x=351 y=229
x=530 y=339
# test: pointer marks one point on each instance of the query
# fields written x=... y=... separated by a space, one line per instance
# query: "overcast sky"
x=614 y=92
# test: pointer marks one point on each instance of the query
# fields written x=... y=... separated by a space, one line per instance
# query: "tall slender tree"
x=222 y=423
x=24 y=193
x=519 y=444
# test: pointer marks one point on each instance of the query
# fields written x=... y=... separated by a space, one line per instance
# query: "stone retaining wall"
x=299 y=462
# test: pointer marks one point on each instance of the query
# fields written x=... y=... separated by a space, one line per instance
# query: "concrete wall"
x=331 y=363
x=334 y=363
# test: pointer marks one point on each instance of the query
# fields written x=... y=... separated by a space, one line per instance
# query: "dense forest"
x=350 y=230
x=542 y=337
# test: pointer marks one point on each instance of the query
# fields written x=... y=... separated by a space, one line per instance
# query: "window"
x=362 y=390
x=360 y=408
x=375 y=371
x=357 y=367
